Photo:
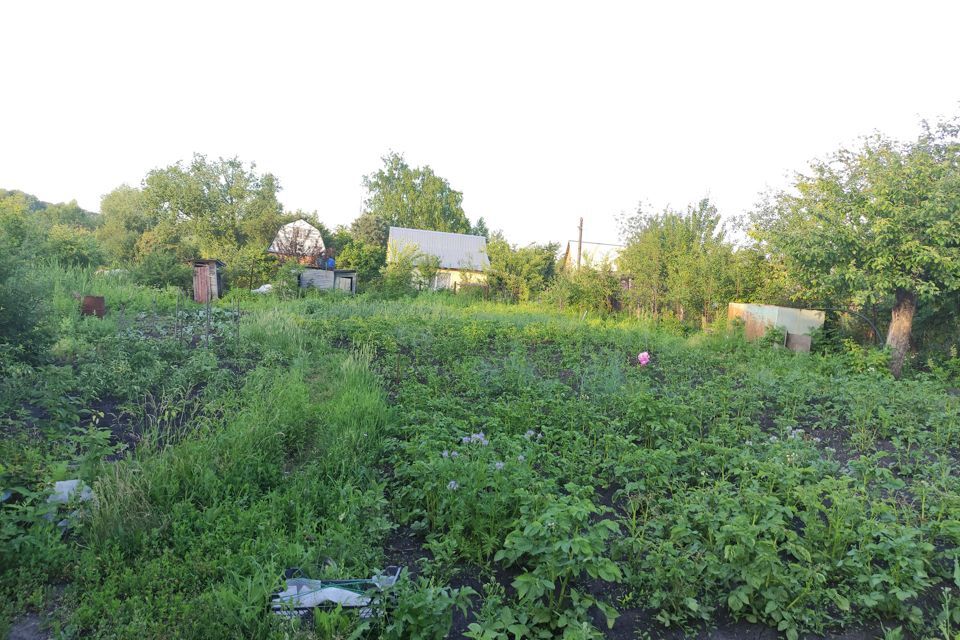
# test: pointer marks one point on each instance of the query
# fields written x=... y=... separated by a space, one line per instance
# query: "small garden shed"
x=207 y=280
x=340 y=279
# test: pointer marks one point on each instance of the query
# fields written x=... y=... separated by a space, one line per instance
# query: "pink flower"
x=643 y=358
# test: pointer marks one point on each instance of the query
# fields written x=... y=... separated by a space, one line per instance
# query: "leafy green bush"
x=422 y=610
x=585 y=289
x=365 y=258
x=397 y=277
x=74 y=246
x=25 y=323
x=286 y=281
x=161 y=269
x=866 y=359
x=520 y=273
x=556 y=540
x=250 y=268
x=467 y=491
x=947 y=368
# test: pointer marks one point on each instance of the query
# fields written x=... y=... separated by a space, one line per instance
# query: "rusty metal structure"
x=93 y=306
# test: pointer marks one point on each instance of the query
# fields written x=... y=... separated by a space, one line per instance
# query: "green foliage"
x=370 y=229
x=25 y=327
x=367 y=259
x=557 y=542
x=865 y=359
x=124 y=219
x=947 y=368
x=869 y=221
x=219 y=206
x=398 y=275
x=680 y=263
x=426 y=268
x=339 y=238
x=586 y=289
x=286 y=281
x=716 y=501
x=17 y=227
x=509 y=445
x=161 y=269
x=267 y=480
x=250 y=267
x=872 y=223
x=38 y=229
x=401 y=196
x=479 y=228
x=45 y=214
x=774 y=337
x=167 y=237
x=423 y=610
x=74 y=246
x=520 y=273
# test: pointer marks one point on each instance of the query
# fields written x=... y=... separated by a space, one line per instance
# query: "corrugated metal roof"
x=455 y=250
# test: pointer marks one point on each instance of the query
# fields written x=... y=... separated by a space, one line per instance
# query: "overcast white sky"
x=539 y=112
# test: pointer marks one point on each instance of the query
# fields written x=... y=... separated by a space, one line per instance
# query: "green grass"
x=723 y=481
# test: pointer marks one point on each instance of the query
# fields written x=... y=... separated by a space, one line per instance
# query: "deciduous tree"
x=679 y=260
x=402 y=196
x=520 y=272
x=880 y=222
x=219 y=205
x=124 y=220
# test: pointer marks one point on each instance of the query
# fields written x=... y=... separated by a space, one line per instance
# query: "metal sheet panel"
x=757 y=318
x=317 y=278
x=455 y=250
x=799 y=343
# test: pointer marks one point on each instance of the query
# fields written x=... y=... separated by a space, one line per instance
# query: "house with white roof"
x=462 y=258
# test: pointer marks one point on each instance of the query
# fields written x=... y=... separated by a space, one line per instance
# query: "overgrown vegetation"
x=532 y=476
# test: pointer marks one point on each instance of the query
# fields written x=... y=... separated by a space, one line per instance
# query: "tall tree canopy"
x=679 y=260
x=370 y=229
x=125 y=219
x=873 y=224
x=402 y=196
x=218 y=205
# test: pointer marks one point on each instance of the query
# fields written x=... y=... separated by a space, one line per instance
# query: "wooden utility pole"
x=579 y=242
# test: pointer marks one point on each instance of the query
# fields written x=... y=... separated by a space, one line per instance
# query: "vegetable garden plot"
x=536 y=474
x=717 y=482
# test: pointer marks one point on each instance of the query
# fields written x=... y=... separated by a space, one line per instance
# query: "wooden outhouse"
x=207 y=280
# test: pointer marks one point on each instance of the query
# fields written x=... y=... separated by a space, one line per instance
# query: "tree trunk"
x=901 y=323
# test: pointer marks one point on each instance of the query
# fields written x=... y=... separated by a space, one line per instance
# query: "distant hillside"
x=13 y=201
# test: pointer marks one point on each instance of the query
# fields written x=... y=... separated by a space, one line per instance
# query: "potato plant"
x=533 y=475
